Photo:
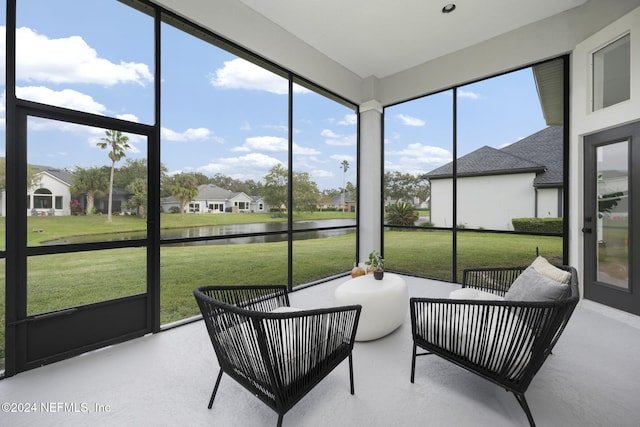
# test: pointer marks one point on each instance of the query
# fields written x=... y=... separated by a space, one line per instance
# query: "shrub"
x=425 y=224
x=538 y=225
x=401 y=214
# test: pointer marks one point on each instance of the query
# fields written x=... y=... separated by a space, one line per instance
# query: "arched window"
x=42 y=199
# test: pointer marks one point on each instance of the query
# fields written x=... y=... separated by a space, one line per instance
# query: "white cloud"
x=241 y=74
x=349 y=119
x=321 y=173
x=190 y=134
x=426 y=153
x=67 y=98
x=410 y=121
x=305 y=151
x=70 y=60
x=342 y=140
x=328 y=133
x=273 y=144
x=129 y=117
x=246 y=126
x=468 y=94
x=90 y=136
x=252 y=165
x=417 y=158
x=335 y=139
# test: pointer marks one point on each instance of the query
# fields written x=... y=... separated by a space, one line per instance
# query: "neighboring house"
x=50 y=193
x=521 y=180
x=344 y=200
x=120 y=197
x=213 y=199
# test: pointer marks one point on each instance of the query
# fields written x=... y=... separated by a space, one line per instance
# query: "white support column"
x=371 y=172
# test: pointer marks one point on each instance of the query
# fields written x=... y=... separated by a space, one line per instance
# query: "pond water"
x=227 y=230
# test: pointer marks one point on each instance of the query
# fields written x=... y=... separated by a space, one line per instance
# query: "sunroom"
x=300 y=104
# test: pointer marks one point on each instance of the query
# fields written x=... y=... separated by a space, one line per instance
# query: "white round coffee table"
x=384 y=303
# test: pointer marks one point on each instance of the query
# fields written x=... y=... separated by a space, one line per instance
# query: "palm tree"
x=184 y=189
x=92 y=182
x=118 y=143
x=345 y=167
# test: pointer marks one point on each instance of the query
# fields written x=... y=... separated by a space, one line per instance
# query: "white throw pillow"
x=549 y=270
x=474 y=294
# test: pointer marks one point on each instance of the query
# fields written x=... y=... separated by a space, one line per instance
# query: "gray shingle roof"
x=213 y=192
x=61 y=174
x=540 y=153
x=544 y=147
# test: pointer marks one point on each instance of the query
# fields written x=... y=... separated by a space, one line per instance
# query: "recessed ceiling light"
x=449 y=8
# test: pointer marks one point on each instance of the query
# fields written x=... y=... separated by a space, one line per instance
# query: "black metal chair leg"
x=215 y=389
x=351 y=373
x=413 y=363
x=523 y=403
x=280 y=419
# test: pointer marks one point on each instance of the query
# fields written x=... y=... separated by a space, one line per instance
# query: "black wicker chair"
x=278 y=356
x=505 y=342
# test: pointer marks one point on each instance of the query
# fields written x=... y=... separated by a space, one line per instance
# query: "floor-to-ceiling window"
x=494 y=175
x=324 y=185
x=147 y=161
x=418 y=137
x=223 y=129
x=253 y=173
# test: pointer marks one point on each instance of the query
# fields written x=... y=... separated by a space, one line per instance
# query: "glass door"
x=610 y=157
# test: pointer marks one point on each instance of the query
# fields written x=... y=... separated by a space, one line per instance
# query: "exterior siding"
x=487 y=202
x=57 y=189
x=548 y=203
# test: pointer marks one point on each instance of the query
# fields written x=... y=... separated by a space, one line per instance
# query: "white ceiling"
x=382 y=37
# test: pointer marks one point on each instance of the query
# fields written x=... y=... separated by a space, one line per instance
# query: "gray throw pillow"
x=533 y=286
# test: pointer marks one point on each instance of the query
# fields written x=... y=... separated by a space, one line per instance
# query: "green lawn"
x=429 y=253
x=101 y=275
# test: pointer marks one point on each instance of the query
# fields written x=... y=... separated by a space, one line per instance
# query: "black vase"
x=378 y=274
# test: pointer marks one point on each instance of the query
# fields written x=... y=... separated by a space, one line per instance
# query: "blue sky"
x=222 y=114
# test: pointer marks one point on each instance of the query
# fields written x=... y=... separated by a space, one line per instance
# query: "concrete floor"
x=592 y=379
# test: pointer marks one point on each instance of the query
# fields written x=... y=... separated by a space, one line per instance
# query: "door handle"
x=586 y=230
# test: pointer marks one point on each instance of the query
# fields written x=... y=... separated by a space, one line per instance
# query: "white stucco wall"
x=442 y=202
x=57 y=188
x=488 y=202
x=548 y=203
x=585 y=122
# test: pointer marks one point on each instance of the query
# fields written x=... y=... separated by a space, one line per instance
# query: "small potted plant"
x=375 y=264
